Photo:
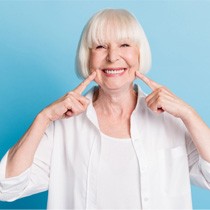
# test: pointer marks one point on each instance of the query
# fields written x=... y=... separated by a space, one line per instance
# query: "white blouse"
x=67 y=162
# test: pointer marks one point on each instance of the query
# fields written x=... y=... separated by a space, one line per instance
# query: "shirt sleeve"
x=198 y=167
x=33 y=180
x=205 y=168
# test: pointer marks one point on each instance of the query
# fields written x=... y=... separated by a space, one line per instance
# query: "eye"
x=125 y=45
x=100 y=47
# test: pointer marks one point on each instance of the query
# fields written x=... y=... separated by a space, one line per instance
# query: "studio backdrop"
x=38 y=42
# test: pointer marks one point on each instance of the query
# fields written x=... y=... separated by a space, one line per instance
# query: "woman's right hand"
x=71 y=104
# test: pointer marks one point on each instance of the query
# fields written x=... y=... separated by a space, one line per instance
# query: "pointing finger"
x=152 y=84
x=85 y=83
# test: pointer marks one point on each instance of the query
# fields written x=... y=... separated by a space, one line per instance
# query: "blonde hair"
x=115 y=23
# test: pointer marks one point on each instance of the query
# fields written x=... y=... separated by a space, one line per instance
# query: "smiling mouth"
x=112 y=72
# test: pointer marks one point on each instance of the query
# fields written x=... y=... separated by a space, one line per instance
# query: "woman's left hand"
x=162 y=99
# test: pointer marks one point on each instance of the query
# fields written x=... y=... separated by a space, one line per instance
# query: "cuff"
x=205 y=168
x=3 y=165
x=11 y=188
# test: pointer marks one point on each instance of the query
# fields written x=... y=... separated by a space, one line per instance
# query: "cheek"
x=95 y=61
x=98 y=77
x=133 y=59
x=92 y=62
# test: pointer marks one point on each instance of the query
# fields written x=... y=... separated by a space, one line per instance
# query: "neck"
x=117 y=103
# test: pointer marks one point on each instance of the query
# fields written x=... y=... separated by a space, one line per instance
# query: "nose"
x=112 y=55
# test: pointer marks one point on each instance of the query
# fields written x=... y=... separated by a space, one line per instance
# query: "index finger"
x=79 y=89
x=152 y=84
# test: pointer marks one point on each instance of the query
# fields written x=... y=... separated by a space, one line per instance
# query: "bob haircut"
x=117 y=24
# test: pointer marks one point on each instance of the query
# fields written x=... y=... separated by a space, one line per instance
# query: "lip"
x=114 y=72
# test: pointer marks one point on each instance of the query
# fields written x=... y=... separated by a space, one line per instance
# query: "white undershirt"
x=118 y=185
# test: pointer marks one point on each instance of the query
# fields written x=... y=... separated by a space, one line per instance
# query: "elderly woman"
x=115 y=147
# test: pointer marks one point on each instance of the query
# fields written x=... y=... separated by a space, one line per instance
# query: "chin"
x=116 y=86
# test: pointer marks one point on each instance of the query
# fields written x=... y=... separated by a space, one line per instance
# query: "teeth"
x=114 y=71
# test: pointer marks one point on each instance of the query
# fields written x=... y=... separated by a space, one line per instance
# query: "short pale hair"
x=119 y=24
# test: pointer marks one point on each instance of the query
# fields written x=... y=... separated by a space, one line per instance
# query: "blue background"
x=38 y=41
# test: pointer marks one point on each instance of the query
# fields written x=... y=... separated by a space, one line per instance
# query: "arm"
x=22 y=154
x=161 y=99
x=26 y=147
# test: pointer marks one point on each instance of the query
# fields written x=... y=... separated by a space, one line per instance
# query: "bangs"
x=112 y=26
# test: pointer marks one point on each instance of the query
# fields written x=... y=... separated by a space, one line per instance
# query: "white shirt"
x=66 y=162
x=118 y=185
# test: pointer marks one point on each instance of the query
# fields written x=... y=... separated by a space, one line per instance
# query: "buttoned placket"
x=91 y=194
x=138 y=144
x=138 y=147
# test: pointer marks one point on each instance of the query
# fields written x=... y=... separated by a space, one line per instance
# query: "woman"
x=114 y=147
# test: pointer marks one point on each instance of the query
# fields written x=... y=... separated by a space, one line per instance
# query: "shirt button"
x=144 y=168
x=146 y=199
